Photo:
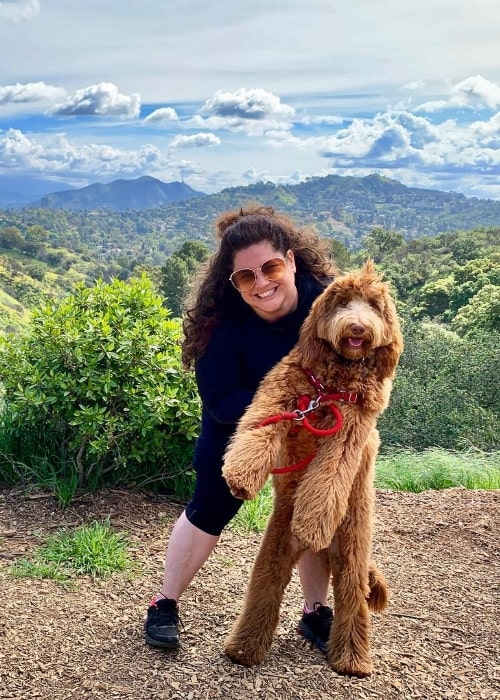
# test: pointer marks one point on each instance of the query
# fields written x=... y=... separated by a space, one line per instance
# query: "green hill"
x=43 y=251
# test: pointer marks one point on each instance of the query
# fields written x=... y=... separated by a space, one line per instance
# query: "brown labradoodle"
x=312 y=424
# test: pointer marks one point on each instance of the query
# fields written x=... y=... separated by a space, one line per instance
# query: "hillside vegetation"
x=44 y=252
x=89 y=313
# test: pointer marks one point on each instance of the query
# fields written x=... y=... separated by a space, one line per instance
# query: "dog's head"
x=355 y=316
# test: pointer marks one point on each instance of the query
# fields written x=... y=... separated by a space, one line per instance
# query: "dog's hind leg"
x=250 y=640
x=349 y=643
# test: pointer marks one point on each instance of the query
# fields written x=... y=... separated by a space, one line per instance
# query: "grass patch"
x=61 y=482
x=435 y=468
x=92 y=549
x=253 y=515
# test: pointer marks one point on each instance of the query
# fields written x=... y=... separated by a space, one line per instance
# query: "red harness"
x=305 y=406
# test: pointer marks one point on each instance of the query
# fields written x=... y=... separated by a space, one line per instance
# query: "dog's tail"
x=379 y=595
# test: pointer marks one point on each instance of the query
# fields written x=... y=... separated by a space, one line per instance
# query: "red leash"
x=305 y=406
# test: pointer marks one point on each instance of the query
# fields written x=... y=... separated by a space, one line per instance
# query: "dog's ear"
x=369 y=267
x=387 y=356
x=310 y=345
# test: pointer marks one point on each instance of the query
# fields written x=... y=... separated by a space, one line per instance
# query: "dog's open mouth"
x=355 y=342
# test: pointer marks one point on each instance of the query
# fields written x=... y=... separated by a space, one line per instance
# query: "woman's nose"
x=260 y=278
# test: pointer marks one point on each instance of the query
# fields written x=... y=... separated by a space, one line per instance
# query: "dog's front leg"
x=323 y=494
x=251 y=456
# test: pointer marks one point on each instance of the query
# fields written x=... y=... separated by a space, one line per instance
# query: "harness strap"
x=295 y=467
x=306 y=405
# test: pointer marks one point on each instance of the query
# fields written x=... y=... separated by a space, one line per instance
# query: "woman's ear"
x=291 y=260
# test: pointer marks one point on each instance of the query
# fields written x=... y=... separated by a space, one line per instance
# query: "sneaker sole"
x=167 y=644
x=308 y=634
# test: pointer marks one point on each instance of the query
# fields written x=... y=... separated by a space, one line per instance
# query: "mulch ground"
x=438 y=639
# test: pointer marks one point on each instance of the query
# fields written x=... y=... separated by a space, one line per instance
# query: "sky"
x=220 y=93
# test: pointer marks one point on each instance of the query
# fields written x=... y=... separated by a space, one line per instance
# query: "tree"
x=178 y=271
x=340 y=254
x=446 y=391
x=433 y=298
x=380 y=242
x=11 y=237
x=471 y=277
x=481 y=312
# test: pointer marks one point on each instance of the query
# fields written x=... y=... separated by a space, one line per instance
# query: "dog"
x=312 y=423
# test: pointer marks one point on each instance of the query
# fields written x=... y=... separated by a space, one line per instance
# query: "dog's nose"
x=357 y=328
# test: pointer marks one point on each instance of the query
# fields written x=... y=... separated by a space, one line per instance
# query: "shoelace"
x=167 y=616
x=324 y=616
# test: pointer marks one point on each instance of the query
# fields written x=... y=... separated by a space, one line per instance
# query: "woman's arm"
x=220 y=374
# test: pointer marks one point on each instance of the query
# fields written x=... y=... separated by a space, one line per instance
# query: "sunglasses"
x=273 y=270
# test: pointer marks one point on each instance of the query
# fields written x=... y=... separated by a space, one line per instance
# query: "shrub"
x=97 y=385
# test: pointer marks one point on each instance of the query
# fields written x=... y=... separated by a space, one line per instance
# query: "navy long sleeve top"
x=240 y=352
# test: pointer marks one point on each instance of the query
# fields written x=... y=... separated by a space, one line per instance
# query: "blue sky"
x=220 y=93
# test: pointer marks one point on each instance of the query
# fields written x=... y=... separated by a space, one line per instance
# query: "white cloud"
x=254 y=103
x=404 y=143
x=254 y=175
x=19 y=9
x=237 y=125
x=57 y=155
x=161 y=116
x=487 y=133
x=195 y=141
x=30 y=92
x=102 y=99
x=475 y=92
x=320 y=120
x=249 y=110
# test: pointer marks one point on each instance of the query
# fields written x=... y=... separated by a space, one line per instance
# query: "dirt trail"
x=439 y=638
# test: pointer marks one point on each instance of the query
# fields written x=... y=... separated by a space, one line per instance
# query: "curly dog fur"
x=351 y=341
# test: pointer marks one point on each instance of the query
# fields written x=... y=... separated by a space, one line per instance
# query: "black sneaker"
x=315 y=626
x=162 y=624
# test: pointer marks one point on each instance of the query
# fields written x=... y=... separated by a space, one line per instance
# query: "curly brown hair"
x=213 y=297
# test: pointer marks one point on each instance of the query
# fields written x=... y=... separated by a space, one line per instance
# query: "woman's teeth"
x=267 y=294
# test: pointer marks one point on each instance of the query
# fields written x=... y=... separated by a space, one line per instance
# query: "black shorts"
x=212 y=505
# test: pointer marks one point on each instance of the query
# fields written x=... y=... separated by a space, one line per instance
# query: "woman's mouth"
x=268 y=294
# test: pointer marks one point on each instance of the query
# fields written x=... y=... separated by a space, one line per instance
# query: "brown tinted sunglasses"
x=243 y=280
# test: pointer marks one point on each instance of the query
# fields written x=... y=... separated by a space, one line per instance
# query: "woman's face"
x=270 y=300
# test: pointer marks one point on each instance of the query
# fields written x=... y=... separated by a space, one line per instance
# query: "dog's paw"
x=245 y=486
x=243 y=654
x=239 y=491
x=359 y=668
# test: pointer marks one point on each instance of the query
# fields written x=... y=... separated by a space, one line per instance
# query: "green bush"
x=446 y=392
x=96 y=387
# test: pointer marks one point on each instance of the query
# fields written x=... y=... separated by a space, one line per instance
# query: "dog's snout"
x=357 y=328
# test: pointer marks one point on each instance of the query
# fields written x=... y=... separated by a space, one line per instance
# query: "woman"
x=247 y=313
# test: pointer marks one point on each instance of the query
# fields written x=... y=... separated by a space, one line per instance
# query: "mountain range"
x=346 y=207
x=120 y=195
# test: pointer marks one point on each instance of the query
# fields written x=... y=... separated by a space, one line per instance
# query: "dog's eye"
x=343 y=302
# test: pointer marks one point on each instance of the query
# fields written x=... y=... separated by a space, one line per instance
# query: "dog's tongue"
x=355 y=342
